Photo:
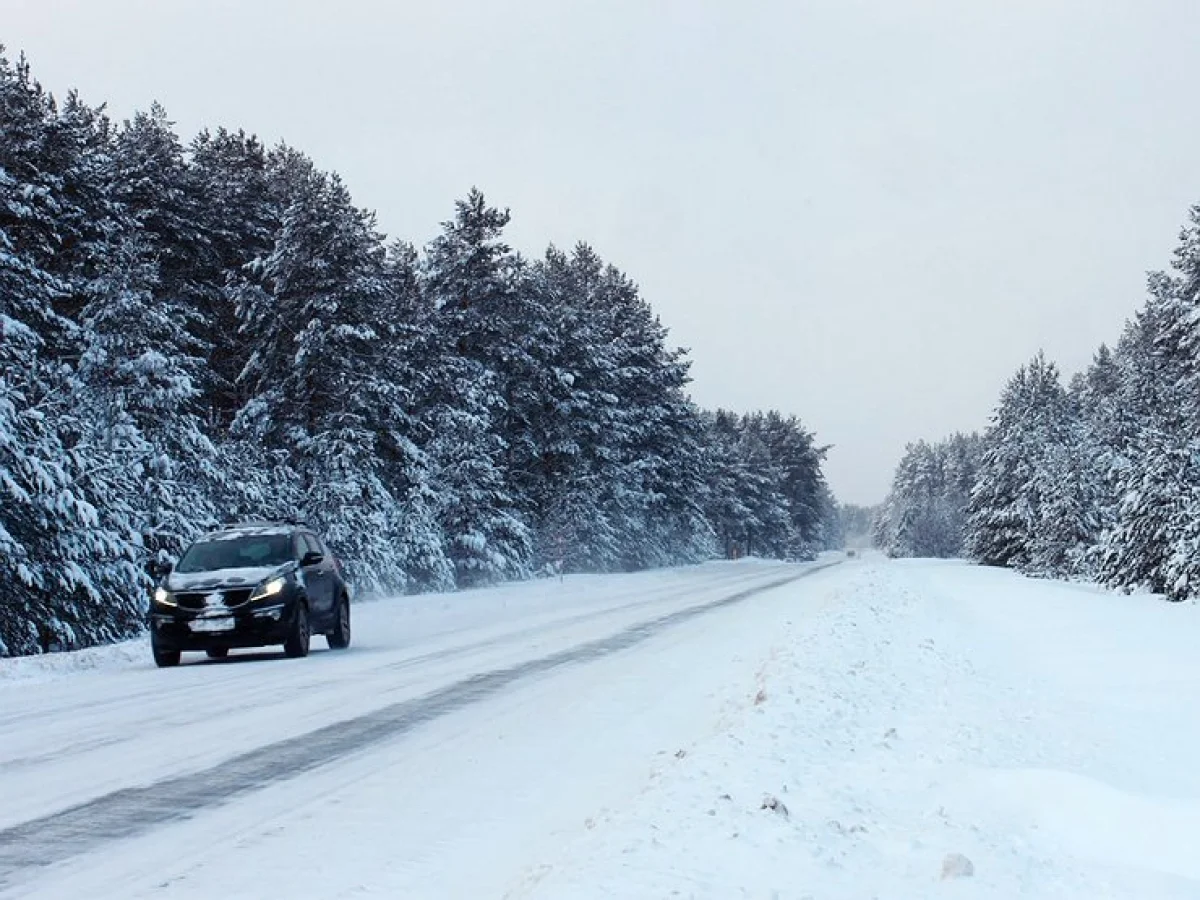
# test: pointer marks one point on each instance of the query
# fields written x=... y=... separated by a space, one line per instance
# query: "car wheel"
x=297 y=642
x=339 y=638
x=217 y=652
x=164 y=659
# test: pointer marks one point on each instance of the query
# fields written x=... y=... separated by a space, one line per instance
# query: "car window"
x=247 y=551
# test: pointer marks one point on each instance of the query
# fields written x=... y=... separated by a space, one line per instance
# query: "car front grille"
x=197 y=600
x=237 y=597
x=190 y=601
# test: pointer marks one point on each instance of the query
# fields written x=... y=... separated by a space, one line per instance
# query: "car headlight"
x=163 y=597
x=269 y=588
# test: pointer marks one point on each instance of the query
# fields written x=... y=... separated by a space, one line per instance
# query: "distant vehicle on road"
x=250 y=585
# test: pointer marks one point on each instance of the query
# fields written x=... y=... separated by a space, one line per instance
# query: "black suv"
x=250 y=585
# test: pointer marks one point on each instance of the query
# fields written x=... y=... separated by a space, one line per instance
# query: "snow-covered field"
x=628 y=737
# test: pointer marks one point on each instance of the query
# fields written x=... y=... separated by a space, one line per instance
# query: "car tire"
x=217 y=652
x=297 y=641
x=339 y=638
x=164 y=659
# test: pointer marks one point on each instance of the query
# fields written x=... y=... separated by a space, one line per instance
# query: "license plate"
x=225 y=623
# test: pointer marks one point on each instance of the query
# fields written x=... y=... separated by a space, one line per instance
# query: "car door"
x=318 y=580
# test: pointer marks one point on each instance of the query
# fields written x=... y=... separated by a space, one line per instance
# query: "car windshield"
x=247 y=551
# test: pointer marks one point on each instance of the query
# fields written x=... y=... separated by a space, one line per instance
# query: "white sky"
x=865 y=212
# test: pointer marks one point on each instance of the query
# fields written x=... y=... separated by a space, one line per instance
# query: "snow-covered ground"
x=628 y=737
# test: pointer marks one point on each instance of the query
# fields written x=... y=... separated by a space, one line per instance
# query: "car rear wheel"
x=297 y=642
x=339 y=638
x=217 y=652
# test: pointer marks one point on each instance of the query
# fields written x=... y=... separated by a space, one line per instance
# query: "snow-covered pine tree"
x=730 y=506
x=229 y=175
x=569 y=483
x=314 y=312
x=797 y=459
x=137 y=379
x=1105 y=429
x=923 y=526
x=926 y=509
x=69 y=580
x=1032 y=507
x=470 y=276
x=1158 y=497
x=1180 y=577
x=765 y=493
x=1173 y=325
x=408 y=360
x=654 y=455
x=833 y=530
x=771 y=531
x=1155 y=435
x=1003 y=514
x=158 y=192
x=1067 y=508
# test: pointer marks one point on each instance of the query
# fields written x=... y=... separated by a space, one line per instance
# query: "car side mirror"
x=311 y=558
x=160 y=569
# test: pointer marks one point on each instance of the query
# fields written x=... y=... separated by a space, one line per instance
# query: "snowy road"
x=618 y=737
x=90 y=758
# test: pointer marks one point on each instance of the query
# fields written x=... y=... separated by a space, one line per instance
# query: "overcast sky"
x=864 y=212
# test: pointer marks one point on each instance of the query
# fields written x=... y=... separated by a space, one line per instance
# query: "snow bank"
x=126 y=654
x=936 y=723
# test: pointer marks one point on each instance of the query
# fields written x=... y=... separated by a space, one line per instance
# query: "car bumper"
x=246 y=628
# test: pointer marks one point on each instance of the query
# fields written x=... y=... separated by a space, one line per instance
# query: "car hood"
x=218 y=579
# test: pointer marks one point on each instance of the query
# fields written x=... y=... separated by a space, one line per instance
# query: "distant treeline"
x=1098 y=479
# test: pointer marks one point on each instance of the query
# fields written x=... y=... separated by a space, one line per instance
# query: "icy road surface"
x=729 y=730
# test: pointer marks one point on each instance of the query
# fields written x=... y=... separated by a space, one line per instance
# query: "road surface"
x=131 y=762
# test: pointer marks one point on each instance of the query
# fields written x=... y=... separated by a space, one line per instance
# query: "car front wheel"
x=164 y=659
x=297 y=642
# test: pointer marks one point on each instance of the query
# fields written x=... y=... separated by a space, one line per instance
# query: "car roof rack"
x=263 y=523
